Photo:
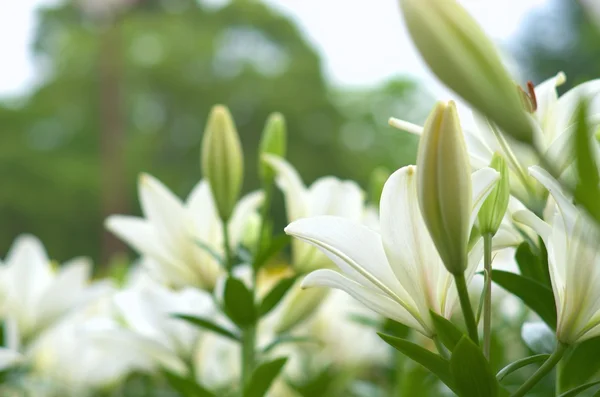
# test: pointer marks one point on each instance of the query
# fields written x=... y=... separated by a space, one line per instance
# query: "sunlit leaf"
x=512 y=367
x=239 y=302
x=471 y=372
x=207 y=325
x=263 y=376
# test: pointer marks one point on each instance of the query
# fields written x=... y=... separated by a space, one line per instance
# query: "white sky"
x=363 y=42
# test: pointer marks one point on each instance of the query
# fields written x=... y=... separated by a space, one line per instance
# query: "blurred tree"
x=131 y=94
x=559 y=37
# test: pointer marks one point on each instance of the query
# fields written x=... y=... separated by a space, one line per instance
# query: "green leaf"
x=263 y=377
x=471 y=372
x=275 y=295
x=185 y=386
x=211 y=251
x=531 y=265
x=276 y=245
x=576 y=391
x=512 y=367
x=536 y=296
x=448 y=333
x=587 y=190
x=239 y=302
x=208 y=325
x=284 y=339
x=434 y=363
x=581 y=363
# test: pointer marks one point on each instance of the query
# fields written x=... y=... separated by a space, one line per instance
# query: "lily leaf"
x=239 y=302
x=581 y=363
x=284 y=339
x=276 y=245
x=576 y=391
x=208 y=325
x=434 y=363
x=471 y=372
x=536 y=296
x=263 y=377
x=512 y=367
x=186 y=387
x=275 y=295
x=448 y=333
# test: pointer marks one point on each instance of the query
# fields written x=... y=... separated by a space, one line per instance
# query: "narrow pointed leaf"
x=207 y=325
x=434 y=363
x=536 y=296
x=580 y=389
x=581 y=364
x=512 y=367
x=285 y=339
x=275 y=295
x=186 y=387
x=239 y=302
x=531 y=265
x=471 y=372
x=587 y=190
x=263 y=377
x=448 y=333
x=276 y=245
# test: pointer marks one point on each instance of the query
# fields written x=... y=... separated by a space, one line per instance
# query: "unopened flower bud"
x=222 y=160
x=444 y=185
x=273 y=141
x=463 y=58
x=495 y=205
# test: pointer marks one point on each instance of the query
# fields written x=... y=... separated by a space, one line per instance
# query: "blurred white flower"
x=148 y=308
x=326 y=196
x=571 y=239
x=398 y=272
x=554 y=124
x=171 y=234
x=36 y=293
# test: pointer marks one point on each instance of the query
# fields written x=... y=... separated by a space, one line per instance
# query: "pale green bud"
x=222 y=160
x=444 y=185
x=494 y=207
x=376 y=182
x=273 y=141
x=463 y=58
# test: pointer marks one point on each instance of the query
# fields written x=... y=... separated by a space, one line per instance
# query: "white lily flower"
x=148 y=309
x=554 y=125
x=36 y=294
x=574 y=262
x=397 y=272
x=171 y=234
x=326 y=196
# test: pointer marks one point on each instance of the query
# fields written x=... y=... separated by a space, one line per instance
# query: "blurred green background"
x=128 y=91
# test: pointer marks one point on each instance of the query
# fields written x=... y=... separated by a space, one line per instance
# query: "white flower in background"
x=36 y=294
x=79 y=355
x=326 y=196
x=397 y=272
x=9 y=358
x=172 y=232
x=147 y=309
x=574 y=263
x=554 y=124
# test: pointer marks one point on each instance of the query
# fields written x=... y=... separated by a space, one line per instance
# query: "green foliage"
x=207 y=325
x=276 y=294
x=515 y=365
x=263 y=377
x=448 y=333
x=276 y=245
x=186 y=387
x=580 y=389
x=531 y=265
x=238 y=302
x=581 y=363
x=471 y=372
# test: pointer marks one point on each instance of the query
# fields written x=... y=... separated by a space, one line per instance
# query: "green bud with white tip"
x=458 y=52
x=273 y=141
x=222 y=160
x=495 y=205
x=444 y=185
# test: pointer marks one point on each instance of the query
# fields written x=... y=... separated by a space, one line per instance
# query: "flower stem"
x=248 y=354
x=227 y=248
x=487 y=302
x=465 y=305
x=542 y=371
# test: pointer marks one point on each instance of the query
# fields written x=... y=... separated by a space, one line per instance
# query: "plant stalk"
x=248 y=354
x=487 y=302
x=227 y=248
x=548 y=365
x=465 y=305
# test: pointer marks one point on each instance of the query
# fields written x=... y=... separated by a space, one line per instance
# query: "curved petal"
x=331 y=196
x=530 y=219
x=566 y=208
x=483 y=182
x=547 y=99
x=367 y=296
x=206 y=224
x=242 y=212
x=291 y=185
x=356 y=249
x=568 y=103
x=407 y=243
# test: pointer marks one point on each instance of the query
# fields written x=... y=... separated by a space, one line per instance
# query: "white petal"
x=547 y=99
x=358 y=250
x=242 y=212
x=483 y=181
x=531 y=220
x=567 y=209
x=291 y=185
x=568 y=103
x=331 y=196
x=8 y=358
x=368 y=297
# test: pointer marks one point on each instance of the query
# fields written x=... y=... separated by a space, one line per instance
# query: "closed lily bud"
x=458 y=52
x=444 y=185
x=273 y=141
x=222 y=160
x=495 y=205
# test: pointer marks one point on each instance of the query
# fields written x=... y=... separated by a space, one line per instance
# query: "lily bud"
x=273 y=141
x=222 y=160
x=463 y=58
x=444 y=185
x=495 y=205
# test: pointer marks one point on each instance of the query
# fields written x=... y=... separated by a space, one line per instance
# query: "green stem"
x=227 y=248
x=440 y=347
x=248 y=354
x=465 y=305
x=542 y=371
x=487 y=303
